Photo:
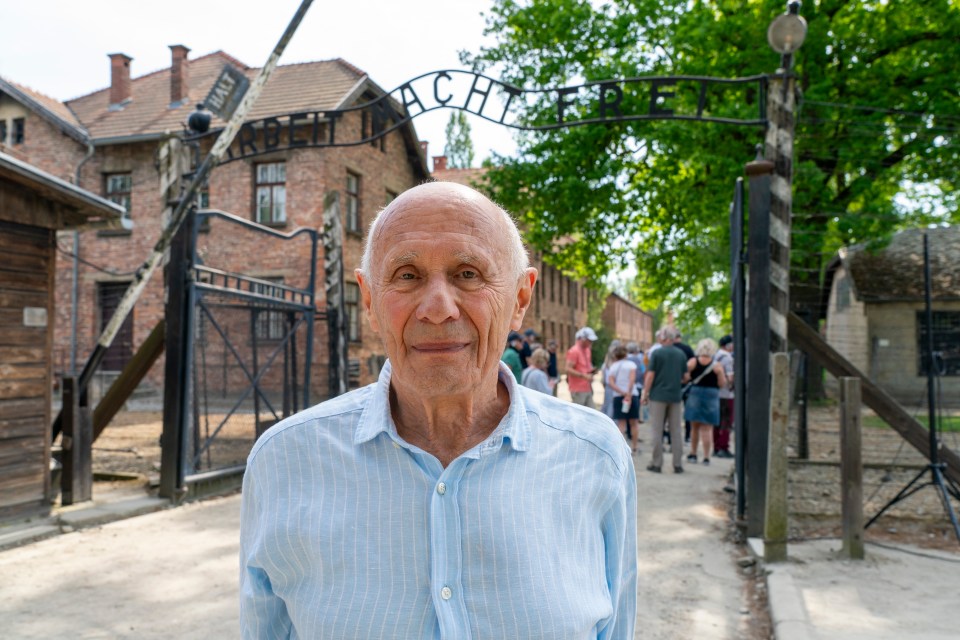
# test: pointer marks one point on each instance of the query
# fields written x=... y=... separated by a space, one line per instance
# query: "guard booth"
x=34 y=205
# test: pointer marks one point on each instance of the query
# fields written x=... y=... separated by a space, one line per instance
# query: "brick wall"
x=44 y=146
x=627 y=322
x=559 y=305
x=311 y=173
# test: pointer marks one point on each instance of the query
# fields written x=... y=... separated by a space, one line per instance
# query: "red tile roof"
x=309 y=86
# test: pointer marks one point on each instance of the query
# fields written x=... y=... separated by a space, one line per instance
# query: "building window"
x=271 y=325
x=3 y=131
x=353 y=203
x=843 y=293
x=946 y=343
x=390 y=197
x=351 y=300
x=118 y=188
x=18 y=128
x=271 y=193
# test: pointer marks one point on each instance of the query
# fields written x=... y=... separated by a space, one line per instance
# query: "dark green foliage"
x=875 y=151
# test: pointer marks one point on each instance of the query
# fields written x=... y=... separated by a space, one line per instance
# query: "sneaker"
x=678 y=469
x=692 y=458
x=706 y=461
x=722 y=454
x=653 y=468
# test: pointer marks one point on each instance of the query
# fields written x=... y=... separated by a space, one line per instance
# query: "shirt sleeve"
x=263 y=614
x=620 y=537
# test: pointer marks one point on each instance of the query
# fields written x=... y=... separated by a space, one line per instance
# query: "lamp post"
x=768 y=299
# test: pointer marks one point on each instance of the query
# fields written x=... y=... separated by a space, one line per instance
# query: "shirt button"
x=446 y=593
x=442 y=488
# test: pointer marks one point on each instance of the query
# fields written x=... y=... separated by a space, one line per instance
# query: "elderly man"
x=662 y=385
x=445 y=500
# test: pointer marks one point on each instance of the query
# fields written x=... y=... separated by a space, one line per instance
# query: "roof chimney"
x=179 y=74
x=423 y=148
x=119 y=78
x=439 y=163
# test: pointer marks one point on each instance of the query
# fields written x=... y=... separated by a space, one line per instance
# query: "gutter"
x=75 y=272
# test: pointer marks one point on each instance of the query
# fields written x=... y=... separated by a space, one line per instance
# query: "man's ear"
x=524 y=297
x=366 y=299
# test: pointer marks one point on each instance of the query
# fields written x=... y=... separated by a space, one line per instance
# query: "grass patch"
x=948 y=424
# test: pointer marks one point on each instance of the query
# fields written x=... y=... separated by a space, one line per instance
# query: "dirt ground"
x=131 y=445
x=889 y=465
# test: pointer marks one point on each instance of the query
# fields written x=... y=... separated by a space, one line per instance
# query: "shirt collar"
x=513 y=428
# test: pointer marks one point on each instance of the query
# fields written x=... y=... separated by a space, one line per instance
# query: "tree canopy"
x=875 y=149
x=459 y=147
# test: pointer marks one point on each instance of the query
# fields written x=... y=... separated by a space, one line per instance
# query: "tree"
x=459 y=147
x=876 y=144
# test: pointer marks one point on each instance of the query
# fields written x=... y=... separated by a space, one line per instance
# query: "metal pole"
x=224 y=140
x=758 y=344
x=737 y=264
x=931 y=376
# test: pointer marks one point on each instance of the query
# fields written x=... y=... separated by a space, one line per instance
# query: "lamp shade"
x=787 y=32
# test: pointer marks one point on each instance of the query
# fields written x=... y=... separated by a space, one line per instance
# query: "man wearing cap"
x=580 y=368
x=721 y=432
x=529 y=346
x=512 y=355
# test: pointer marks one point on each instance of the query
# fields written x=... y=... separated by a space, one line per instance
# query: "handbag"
x=685 y=392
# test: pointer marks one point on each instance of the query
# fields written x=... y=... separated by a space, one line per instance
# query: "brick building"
x=627 y=322
x=109 y=142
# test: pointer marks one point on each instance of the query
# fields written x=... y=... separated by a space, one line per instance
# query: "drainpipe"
x=75 y=276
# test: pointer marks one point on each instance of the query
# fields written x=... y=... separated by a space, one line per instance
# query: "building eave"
x=77 y=133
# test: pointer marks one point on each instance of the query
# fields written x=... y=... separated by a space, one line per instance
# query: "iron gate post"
x=179 y=315
x=757 y=431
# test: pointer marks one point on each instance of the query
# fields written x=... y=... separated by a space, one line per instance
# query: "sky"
x=60 y=47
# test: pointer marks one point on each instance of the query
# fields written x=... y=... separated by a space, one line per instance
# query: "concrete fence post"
x=775 y=517
x=851 y=468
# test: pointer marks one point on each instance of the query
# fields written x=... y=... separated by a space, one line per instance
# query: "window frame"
x=946 y=337
x=124 y=198
x=273 y=187
x=351 y=211
x=270 y=326
x=19 y=133
x=352 y=307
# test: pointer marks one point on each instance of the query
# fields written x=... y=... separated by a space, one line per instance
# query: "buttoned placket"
x=446 y=537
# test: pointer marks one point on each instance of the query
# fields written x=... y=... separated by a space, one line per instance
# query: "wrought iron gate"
x=247 y=340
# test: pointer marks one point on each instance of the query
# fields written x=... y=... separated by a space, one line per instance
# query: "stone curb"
x=788 y=616
x=81 y=516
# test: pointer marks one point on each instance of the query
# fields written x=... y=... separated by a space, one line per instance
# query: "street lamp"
x=787 y=32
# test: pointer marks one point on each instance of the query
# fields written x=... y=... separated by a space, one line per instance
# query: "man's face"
x=443 y=293
x=584 y=343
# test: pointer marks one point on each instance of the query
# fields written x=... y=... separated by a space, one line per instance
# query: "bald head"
x=462 y=198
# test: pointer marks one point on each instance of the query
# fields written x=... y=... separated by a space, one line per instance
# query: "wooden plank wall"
x=26 y=280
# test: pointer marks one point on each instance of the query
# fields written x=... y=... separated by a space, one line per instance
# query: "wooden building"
x=33 y=206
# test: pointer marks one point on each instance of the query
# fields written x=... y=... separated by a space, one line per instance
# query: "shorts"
x=633 y=413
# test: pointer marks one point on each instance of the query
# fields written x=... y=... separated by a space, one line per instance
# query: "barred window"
x=946 y=343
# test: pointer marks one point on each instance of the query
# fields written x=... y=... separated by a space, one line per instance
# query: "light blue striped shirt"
x=350 y=532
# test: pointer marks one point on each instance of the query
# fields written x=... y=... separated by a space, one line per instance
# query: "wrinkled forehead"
x=440 y=211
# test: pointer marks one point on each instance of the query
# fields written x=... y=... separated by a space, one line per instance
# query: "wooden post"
x=775 y=520
x=76 y=481
x=851 y=468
